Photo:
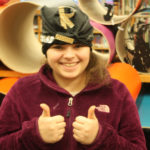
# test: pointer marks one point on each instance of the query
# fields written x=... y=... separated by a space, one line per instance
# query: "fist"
x=85 y=129
x=51 y=128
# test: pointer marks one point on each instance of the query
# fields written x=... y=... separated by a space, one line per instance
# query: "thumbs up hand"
x=51 y=128
x=85 y=129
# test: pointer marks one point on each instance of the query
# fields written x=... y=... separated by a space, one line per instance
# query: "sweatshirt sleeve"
x=14 y=133
x=128 y=136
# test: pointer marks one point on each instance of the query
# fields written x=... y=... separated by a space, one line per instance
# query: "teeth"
x=70 y=65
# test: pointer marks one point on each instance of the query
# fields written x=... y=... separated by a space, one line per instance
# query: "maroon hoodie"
x=120 y=127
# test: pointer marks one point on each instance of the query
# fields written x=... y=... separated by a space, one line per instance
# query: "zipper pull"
x=69 y=104
x=70 y=101
x=68 y=113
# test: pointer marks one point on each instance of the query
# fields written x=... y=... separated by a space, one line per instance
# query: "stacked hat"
x=65 y=25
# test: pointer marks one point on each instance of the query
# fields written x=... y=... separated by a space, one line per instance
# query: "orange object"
x=7 y=4
x=6 y=84
x=11 y=73
x=2 y=2
x=127 y=75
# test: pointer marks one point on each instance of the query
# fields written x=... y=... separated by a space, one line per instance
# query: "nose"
x=69 y=52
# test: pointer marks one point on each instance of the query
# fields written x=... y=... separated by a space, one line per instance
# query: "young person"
x=71 y=103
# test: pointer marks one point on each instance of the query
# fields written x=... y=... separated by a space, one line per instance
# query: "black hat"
x=65 y=24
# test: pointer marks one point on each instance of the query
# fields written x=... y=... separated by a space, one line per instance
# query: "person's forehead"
x=66 y=44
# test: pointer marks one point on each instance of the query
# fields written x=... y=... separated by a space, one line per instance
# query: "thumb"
x=91 y=112
x=46 y=110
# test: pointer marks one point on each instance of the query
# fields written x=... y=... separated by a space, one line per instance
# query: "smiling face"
x=68 y=61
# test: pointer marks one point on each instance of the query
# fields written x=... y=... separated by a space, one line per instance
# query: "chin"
x=70 y=75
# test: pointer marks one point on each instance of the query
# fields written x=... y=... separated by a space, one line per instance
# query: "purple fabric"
x=120 y=129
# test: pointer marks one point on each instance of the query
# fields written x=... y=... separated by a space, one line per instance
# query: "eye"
x=57 y=47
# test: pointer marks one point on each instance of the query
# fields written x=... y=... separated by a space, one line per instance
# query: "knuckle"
x=74 y=124
x=78 y=118
x=64 y=124
x=61 y=118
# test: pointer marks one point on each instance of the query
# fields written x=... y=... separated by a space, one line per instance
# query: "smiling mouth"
x=70 y=64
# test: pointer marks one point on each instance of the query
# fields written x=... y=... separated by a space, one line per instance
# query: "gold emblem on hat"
x=64 y=38
x=65 y=17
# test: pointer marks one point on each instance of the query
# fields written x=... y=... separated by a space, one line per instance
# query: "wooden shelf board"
x=100 y=48
x=145 y=78
x=96 y=32
x=10 y=73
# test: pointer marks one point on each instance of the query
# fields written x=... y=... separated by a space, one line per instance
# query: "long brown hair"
x=96 y=70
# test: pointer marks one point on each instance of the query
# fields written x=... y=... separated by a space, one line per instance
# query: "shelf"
x=145 y=15
x=145 y=78
x=96 y=31
x=100 y=48
x=36 y=30
x=10 y=73
x=38 y=12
